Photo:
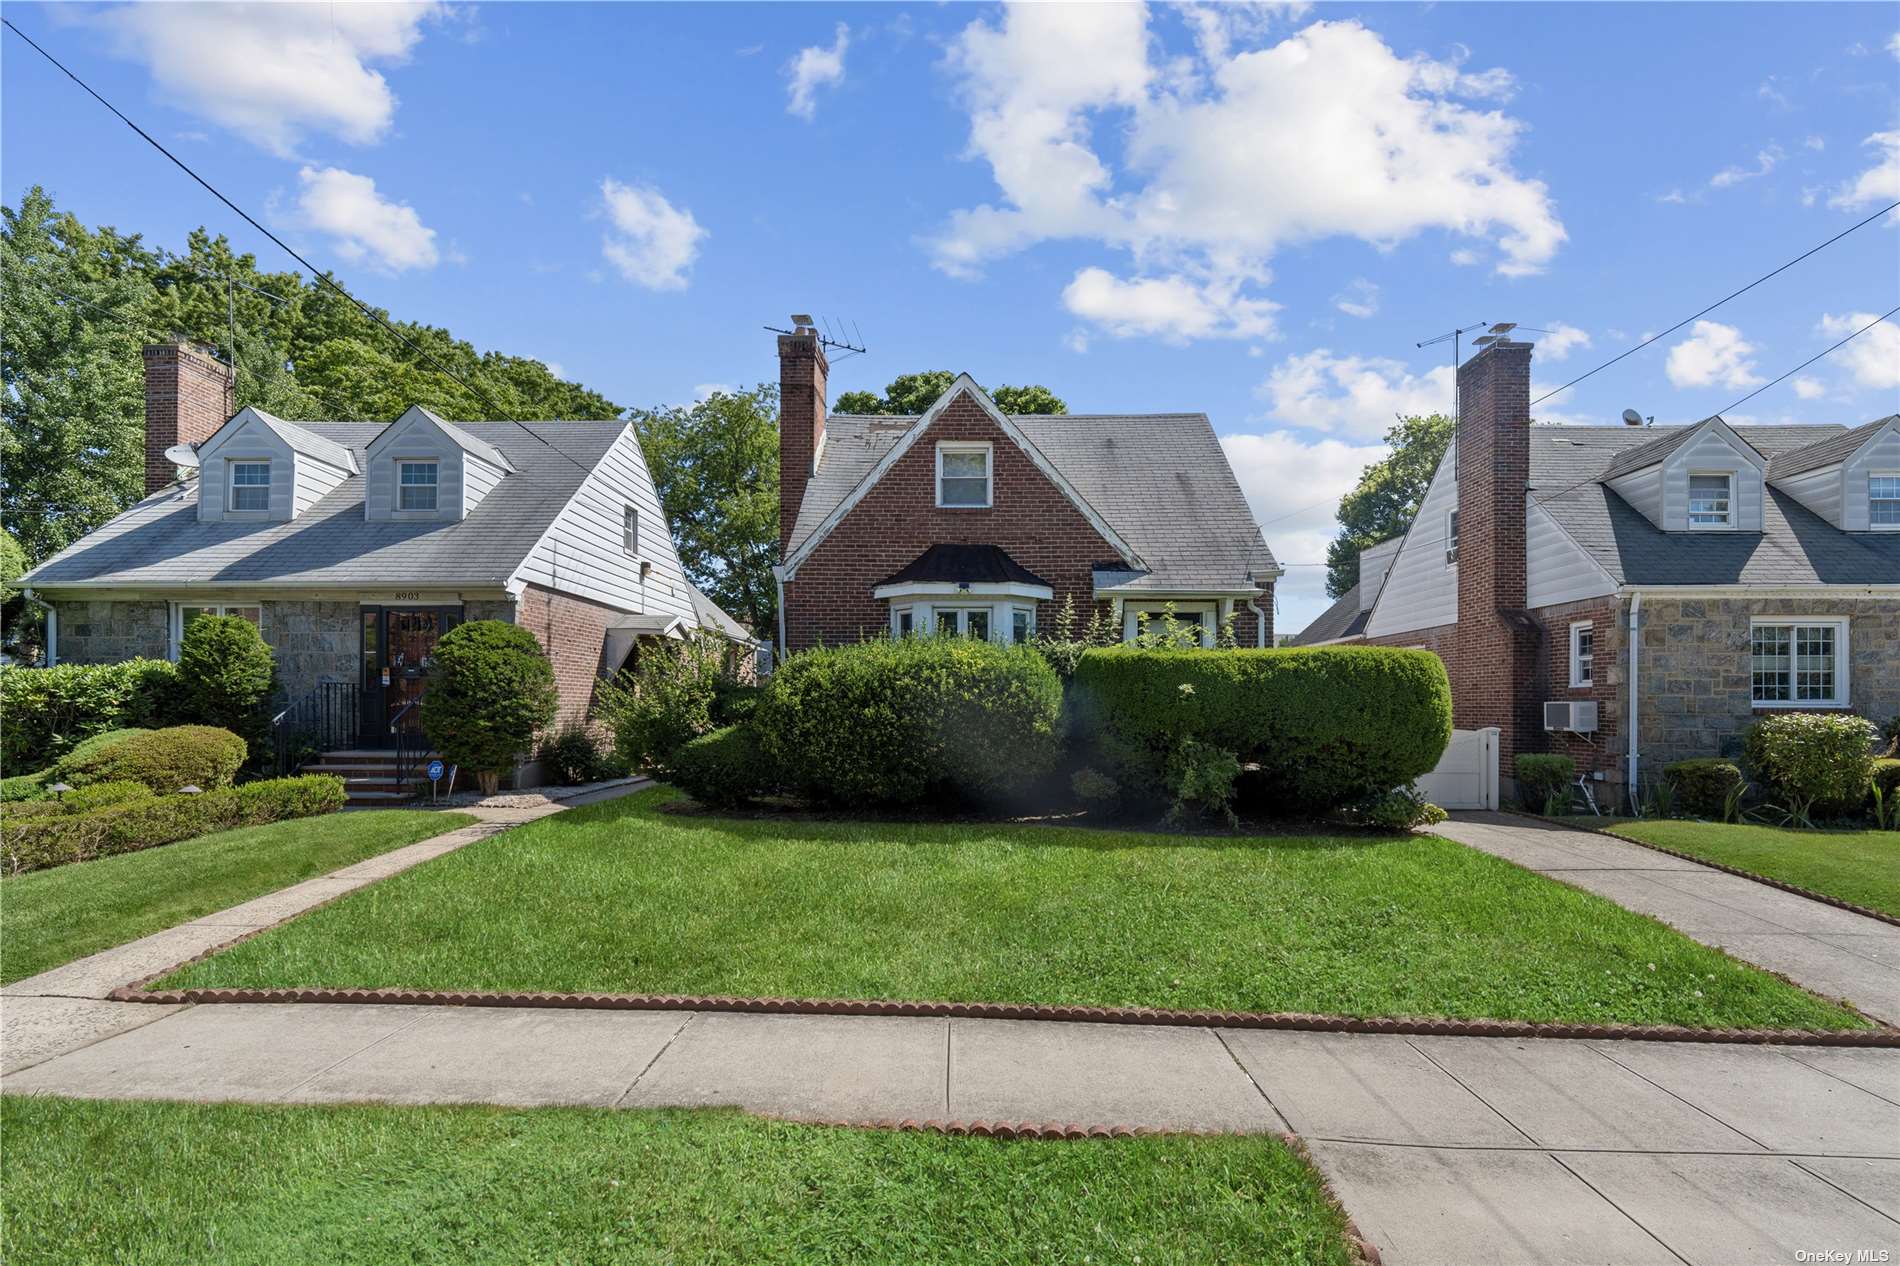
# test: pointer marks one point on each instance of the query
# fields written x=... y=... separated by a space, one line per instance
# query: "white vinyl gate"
x=1467 y=774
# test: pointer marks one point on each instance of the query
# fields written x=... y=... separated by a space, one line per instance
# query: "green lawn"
x=88 y=1181
x=1858 y=866
x=624 y=897
x=50 y=917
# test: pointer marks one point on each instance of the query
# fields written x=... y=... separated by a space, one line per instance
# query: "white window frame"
x=1133 y=613
x=435 y=487
x=630 y=530
x=1002 y=615
x=1871 y=476
x=1728 y=501
x=177 y=622
x=1451 y=538
x=989 y=471
x=1582 y=673
x=1843 y=658
x=231 y=485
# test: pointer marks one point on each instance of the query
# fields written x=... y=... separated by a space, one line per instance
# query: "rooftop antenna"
x=1454 y=339
x=805 y=323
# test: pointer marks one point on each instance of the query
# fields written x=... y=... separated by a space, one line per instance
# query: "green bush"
x=1325 y=726
x=1704 y=786
x=1542 y=775
x=1814 y=764
x=87 y=748
x=101 y=794
x=48 y=710
x=1399 y=810
x=228 y=675
x=905 y=722
x=279 y=799
x=734 y=702
x=725 y=768
x=571 y=758
x=1886 y=775
x=202 y=756
x=24 y=787
x=491 y=690
x=667 y=700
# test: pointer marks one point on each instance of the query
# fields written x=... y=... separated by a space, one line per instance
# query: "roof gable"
x=301 y=439
x=1659 y=450
x=416 y=416
x=1835 y=450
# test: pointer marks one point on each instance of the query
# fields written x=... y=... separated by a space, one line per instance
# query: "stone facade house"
x=1694 y=578
x=354 y=545
x=970 y=521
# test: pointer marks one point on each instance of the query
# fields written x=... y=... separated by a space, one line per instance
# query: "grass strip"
x=1862 y=867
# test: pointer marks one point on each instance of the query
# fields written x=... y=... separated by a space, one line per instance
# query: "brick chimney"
x=801 y=428
x=189 y=394
x=1497 y=642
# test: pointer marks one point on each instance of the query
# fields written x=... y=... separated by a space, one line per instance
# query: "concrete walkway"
x=1833 y=952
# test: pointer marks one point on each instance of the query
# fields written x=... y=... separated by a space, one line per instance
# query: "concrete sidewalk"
x=1465 y=1150
x=1831 y=951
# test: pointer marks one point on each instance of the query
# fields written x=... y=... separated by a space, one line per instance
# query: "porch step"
x=373 y=776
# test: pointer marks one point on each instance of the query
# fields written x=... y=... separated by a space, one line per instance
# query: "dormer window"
x=963 y=476
x=417 y=484
x=1883 y=500
x=1711 y=500
x=250 y=486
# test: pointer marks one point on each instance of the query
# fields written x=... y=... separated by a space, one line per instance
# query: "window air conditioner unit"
x=1577 y=716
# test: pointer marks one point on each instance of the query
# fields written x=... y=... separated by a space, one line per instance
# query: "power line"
x=1718 y=303
x=1817 y=356
x=317 y=274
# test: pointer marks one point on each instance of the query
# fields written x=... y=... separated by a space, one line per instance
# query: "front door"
x=398 y=648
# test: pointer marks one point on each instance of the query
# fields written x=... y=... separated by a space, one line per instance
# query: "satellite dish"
x=182 y=455
x=1632 y=418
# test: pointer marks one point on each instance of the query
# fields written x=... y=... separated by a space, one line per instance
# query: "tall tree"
x=715 y=464
x=1387 y=496
x=910 y=394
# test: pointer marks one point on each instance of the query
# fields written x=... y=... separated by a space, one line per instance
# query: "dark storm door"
x=398 y=649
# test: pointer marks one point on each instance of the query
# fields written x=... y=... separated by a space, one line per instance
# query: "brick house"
x=967 y=520
x=1695 y=577
x=354 y=545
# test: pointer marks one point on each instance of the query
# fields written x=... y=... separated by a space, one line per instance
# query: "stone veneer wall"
x=1694 y=687
x=112 y=632
x=315 y=642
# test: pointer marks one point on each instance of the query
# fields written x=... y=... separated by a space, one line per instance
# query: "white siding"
x=1820 y=491
x=1559 y=569
x=1882 y=453
x=1421 y=591
x=1712 y=452
x=477 y=478
x=581 y=552
x=1643 y=489
x=245 y=439
x=462 y=479
x=1374 y=562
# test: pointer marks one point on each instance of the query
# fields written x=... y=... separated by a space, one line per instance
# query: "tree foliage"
x=490 y=693
x=77 y=303
x=715 y=466
x=910 y=394
x=1387 y=496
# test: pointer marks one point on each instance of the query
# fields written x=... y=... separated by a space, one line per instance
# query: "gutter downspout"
x=1636 y=609
x=52 y=625
x=1259 y=624
x=778 y=574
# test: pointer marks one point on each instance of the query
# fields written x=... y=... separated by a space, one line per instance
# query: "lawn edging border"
x=1738 y=872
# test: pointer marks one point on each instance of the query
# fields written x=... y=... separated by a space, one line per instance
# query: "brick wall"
x=189 y=394
x=802 y=371
x=572 y=630
x=1607 y=749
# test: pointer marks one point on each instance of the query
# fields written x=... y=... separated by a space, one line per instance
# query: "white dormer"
x=1851 y=479
x=1702 y=478
x=424 y=469
x=258 y=468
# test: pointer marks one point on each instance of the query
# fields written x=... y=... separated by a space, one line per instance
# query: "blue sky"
x=1254 y=211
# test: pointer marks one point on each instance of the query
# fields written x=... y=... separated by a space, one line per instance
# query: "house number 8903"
x=411 y=596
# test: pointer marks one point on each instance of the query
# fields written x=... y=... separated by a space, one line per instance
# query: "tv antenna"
x=1454 y=338
x=830 y=338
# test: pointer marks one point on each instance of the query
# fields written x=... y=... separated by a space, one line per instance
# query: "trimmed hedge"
x=490 y=692
x=1817 y=761
x=1703 y=785
x=725 y=768
x=1886 y=776
x=49 y=710
x=1326 y=726
x=228 y=675
x=165 y=760
x=41 y=840
x=910 y=721
x=1541 y=775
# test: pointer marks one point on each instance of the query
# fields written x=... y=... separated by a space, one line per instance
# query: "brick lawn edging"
x=1809 y=893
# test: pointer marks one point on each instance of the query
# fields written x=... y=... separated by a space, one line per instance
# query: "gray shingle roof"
x=1653 y=448
x=160 y=541
x=977 y=564
x=1160 y=480
x=1342 y=619
x=306 y=441
x=713 y=616
x=1825 y=452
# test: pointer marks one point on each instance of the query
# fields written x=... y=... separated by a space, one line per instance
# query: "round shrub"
x=201 y=756
x=228 y=675
x=85 y=749
x=734 y=702
x=572 y=758
x=48 y=710
x=1704 y=786
x=725 y=768
x=1541 y=775
x=667 y=700
x=1816 y=763
x=910 y=721
x=490 y=691
x=1325 y=726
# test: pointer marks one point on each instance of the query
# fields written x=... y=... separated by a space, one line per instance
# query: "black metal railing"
x=406 y=728
x=329 y=717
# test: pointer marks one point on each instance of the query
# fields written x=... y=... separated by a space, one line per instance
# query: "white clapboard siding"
x=462 y=478
x=1714 y=451
x=1643 y=489
x=1880 y=455
x=1374 y=562
x=1821 y=491
x=1559 y=570
x=478 y=477
x=245 y=438
x=1421 y=590
x=581 y=553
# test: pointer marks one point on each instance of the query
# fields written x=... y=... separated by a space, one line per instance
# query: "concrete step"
x=363 y=799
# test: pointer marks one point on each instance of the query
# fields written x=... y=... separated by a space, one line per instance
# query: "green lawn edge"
x=99 y=1181
x=52 y=917
x=1861 y=867
x=626 y=897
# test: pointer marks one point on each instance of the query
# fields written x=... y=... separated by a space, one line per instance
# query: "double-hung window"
x=1798 y=663
x=1582 y=654
x=184 y=613
x=1883 y=500
x=963 y=476
x=417 y=483
x=250 y=486
x=1451 y=539
x=1711 y=501
x=630 y=530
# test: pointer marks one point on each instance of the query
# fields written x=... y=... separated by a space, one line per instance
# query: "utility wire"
x=316 y=273
x=1718 y=303
x=1817 y=356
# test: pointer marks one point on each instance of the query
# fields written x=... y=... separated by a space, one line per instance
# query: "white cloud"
x=707 y=390
x=1356 y=395
x=364 y=226
x=814 y=68
x=1713 y=355
x=1765 y=161
x=1560 y=340
x=1228 y=156
x=1172 y=308
x=1673 y=196
x=1816 y=143
x=652 y=242
x=1893 y=45
x=1879 y=183
x=1077 y=340
x=1465 y=257
x=1360 y=298
x=1873 y=358
x=1771 y=92
x=273 y=73
x=1809 y=388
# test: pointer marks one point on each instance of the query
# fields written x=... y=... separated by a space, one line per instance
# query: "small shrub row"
x=49 y=710
x=1706 y=787
x=166 y=760
x=40 y=840
x=1543 y=776
x=726 y=768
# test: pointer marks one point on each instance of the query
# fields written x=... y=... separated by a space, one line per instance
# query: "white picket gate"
x=1467 y=774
